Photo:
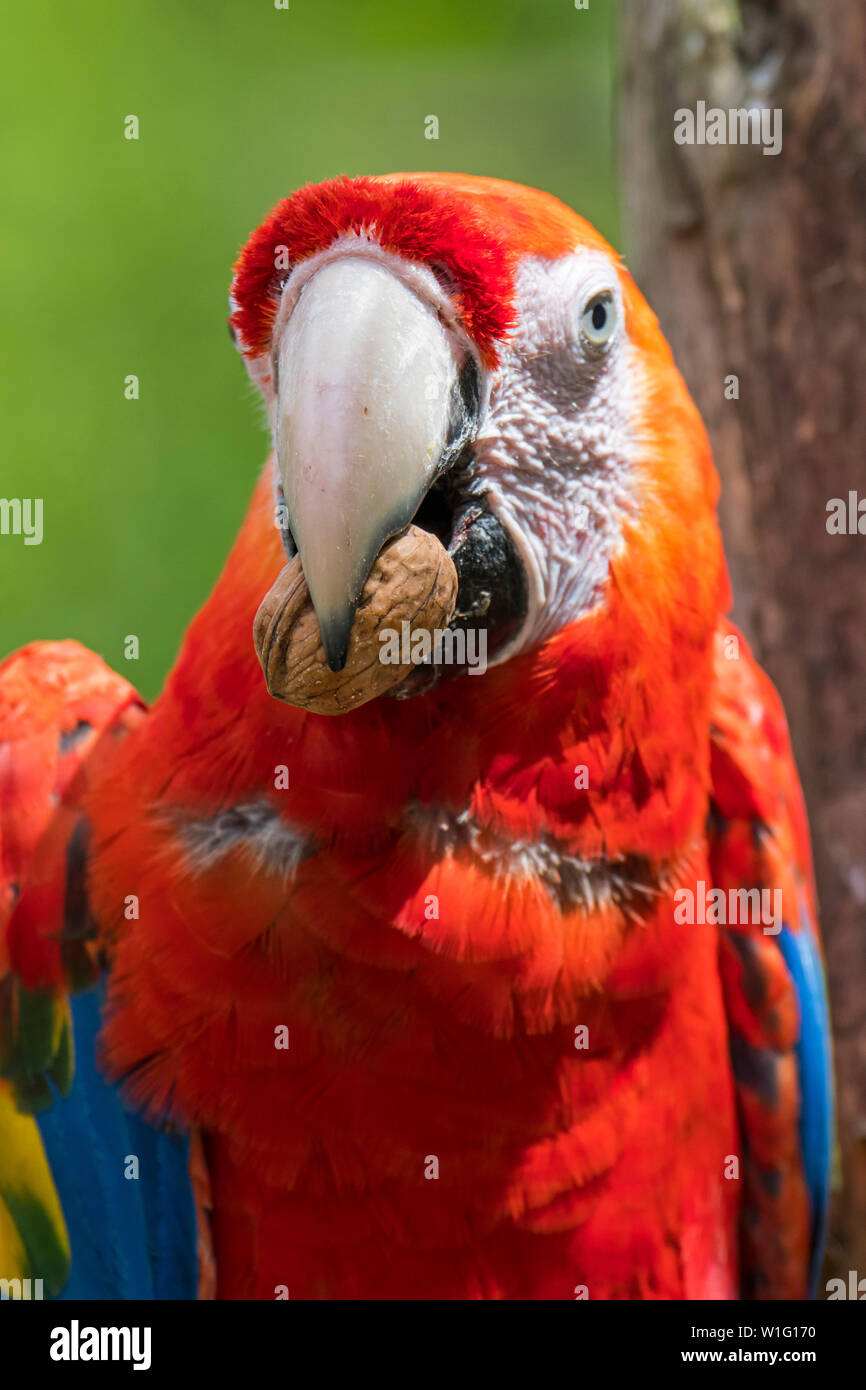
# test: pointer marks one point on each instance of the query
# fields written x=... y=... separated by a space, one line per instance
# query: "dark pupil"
x=599 y=316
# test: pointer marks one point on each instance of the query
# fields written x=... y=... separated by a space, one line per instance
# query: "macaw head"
x=471 y=355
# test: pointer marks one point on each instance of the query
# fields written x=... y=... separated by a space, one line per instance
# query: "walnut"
x=413 y=580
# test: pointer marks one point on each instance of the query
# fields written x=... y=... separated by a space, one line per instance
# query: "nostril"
x=445 y=279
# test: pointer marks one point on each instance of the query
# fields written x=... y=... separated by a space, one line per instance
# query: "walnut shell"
x=412 y=580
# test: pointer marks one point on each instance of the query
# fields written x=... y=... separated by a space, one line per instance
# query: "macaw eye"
x=598 y=320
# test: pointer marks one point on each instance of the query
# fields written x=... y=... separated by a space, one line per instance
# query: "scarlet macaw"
x=413 y=978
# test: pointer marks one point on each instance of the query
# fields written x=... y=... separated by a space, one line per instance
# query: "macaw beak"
x=369 y=411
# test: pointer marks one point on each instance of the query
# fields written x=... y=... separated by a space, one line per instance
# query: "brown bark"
x=756 y=266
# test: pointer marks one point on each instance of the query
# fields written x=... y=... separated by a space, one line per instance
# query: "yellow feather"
x=33 y=1237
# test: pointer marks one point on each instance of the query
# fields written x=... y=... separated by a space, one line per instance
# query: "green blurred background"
x=116 y=254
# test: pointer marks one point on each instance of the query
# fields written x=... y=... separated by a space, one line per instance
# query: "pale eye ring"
x=598 y=320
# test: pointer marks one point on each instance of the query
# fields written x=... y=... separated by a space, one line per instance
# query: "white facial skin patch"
x=555 y=450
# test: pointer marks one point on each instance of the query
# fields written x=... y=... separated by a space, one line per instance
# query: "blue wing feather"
x=814 y=1063
x=130 y=1238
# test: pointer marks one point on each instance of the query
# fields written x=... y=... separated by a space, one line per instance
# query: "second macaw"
x=509 y=988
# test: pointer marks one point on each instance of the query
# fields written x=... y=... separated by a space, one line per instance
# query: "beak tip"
x=335 y=639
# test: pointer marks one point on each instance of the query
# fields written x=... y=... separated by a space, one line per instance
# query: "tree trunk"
x=756 y=267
